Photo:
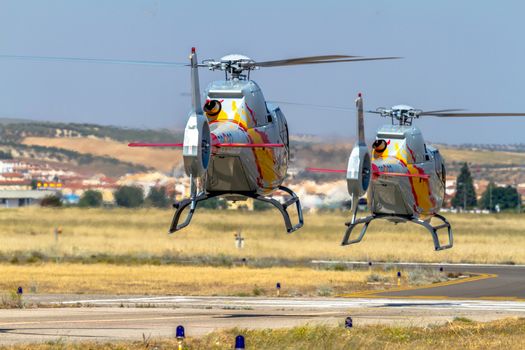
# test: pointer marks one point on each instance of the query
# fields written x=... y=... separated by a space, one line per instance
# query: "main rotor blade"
x=495 y=114
x=92 y=60
x=307 y=60
x=298 y=60
x=440 y=111
x=309 y=105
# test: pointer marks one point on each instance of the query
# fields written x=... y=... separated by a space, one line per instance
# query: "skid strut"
x=399 y=218
x=282 y=207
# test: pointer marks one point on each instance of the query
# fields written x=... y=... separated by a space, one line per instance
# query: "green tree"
x=129 y=196
x=90 y=198
x=158 y=197
x=260 y=205
x=52 y=200
x=465 y=194
x=6 y=155
x=505 y=197
x=213 y=203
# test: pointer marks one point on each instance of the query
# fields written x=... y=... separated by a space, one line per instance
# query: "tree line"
x=125 y=196
x=495 y=198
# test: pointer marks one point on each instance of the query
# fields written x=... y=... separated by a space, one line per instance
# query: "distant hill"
x=88 y=147
x=105 y=148
x=492 y=163
x=17 y=131
x=162 y=159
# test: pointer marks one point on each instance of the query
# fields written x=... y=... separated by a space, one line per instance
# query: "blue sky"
x=458 y=54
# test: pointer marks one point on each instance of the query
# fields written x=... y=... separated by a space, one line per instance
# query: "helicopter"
x=236 y=144
x=404 y=177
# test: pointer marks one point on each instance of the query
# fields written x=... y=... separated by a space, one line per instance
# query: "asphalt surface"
x=505 y=282
x=486 y=292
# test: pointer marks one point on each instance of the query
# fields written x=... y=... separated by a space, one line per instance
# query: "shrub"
x=90 y=198
x=129 y=196
x=158 y=197
x=51 y=201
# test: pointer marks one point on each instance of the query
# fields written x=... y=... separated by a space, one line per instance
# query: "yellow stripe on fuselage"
x=264 y=158
x=420 y=187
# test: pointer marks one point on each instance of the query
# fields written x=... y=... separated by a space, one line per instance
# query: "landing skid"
x=426 y=224
x=282 y=207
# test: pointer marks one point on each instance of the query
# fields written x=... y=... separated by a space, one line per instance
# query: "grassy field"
x=461 y=334
x=182 y=280
x=140 y=236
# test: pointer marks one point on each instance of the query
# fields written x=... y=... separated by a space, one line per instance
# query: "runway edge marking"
x=374 y=293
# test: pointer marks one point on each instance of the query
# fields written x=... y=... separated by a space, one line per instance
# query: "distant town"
x=57 y=164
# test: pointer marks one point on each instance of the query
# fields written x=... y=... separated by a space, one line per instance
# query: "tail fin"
x=196 y=148
x=360 y=120
x=358 y=171
x=195 y=88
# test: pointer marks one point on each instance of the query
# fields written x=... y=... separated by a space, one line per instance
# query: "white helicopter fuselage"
x=421 y=191
x=245 y=118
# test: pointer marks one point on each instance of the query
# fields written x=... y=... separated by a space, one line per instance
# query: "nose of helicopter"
x=228 y=132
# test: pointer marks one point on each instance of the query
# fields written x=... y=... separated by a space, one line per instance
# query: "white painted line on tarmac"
x=309 y=303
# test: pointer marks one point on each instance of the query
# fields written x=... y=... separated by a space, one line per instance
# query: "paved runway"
x=492 y=292
x=119 y=318
x=504 y=282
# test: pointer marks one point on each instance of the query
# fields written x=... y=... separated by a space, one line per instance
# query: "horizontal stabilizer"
x=324 y=170
x=250 y=145
x=247 y=145
x=377 y=173
x=386 y=173
x=142 y=144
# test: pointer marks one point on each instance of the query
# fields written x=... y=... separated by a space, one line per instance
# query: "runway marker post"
x=278 y=287
x=180 y=335
x=239 y=343
x=398 y=278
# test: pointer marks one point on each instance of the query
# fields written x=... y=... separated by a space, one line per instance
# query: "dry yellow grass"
x=160 y=159
x=504 y=334
x=178 y=280
x=482 y=156
x=142 y=234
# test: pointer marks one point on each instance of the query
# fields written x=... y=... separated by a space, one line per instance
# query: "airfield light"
x=239 y=343
x=348 y=322
x=19 y=290
x=398 y=278
x=278 y=287
x=180 y=335
x=441 y=269
x=180 y=332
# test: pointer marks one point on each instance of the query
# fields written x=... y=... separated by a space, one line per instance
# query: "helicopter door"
x=440 y=166
x=283 y=127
